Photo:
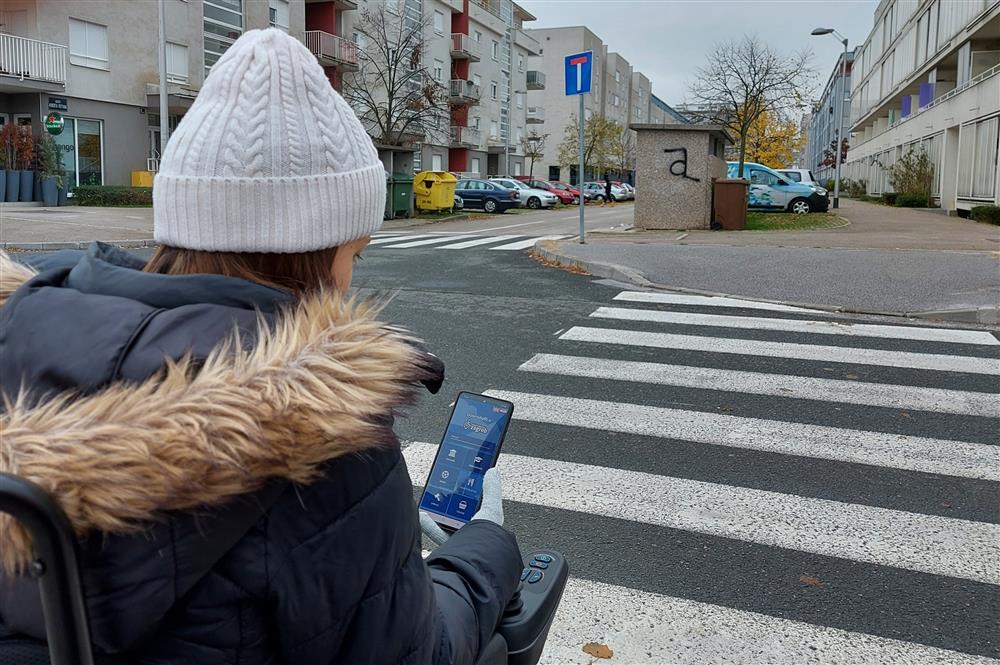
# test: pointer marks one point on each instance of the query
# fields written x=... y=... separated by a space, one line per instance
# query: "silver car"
x=530 y=198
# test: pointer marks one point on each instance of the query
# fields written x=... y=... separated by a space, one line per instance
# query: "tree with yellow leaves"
x=772 y=142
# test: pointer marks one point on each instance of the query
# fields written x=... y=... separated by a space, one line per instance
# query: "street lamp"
x=839 y=146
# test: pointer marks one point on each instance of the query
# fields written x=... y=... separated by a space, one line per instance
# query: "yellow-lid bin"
x=434 y=190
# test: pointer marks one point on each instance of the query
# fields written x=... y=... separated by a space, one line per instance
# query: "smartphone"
x=470 y=446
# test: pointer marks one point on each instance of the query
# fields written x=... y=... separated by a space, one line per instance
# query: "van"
x=769 y=190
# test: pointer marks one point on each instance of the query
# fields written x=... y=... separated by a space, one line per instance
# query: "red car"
x=565 y=196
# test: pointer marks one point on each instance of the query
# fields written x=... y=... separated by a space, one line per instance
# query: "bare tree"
x=533 y=147
x=394 y=94
x=743 y=80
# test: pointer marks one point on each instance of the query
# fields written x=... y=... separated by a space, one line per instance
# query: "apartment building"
x=618 y=92
x=96 y=63
x=661 y=113
x=928 y=78
x=822 y=128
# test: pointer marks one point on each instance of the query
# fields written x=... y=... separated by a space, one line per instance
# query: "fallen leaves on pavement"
x=811 y=581
x=598 y=650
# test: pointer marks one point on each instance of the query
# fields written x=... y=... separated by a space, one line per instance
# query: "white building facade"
x=928 y=78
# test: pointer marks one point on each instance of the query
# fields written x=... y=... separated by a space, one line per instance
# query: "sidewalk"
x=886 y=260
x=73 y=226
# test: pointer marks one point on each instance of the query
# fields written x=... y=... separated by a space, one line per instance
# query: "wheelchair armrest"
x=55 y=567
x=526 y=622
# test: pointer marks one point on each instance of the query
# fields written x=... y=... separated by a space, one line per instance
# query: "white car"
x=804 y=176
x=530 y=198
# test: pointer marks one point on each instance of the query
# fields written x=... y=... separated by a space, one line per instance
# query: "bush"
x=870 y=199
x=988 y=214
x=112 y=195
x=830 y=185
x=913 y=173
x=913 y=201
x=889 y=198
x=856 y=189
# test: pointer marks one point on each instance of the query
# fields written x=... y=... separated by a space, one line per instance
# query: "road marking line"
x=430 y=241
x=514 y=226
x=799 y=326
x=678 y=631
x=891 y=451
x=747 y=347
x=881 y=536
x=400 y=238
x=478 y=241
x=711 y=301
x=524 y=244
x=779 y=385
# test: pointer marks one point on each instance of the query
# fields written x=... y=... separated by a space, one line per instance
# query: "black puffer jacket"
x=151 y=466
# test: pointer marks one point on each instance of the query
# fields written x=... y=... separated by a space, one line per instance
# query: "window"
x=614 y=100
x=223 y=24
x=493 y=89
x=520 y=100
x=82 y=146
x=517 y=168
x=479 y=36
x=520 y=63
x=758 y=177
x=794 y=176
x=475 y=161
x=478 y=80
x=438 y=70
x=438 y=24
x=177 y=63
x=88 y=44
x=618 y=76
x=496 y=50
x=520 y=134
x=475 y=122
x=278 y=14
x=436 y=163
x=494 y=129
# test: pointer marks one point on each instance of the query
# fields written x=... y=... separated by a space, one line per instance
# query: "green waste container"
x=398 y=194
x=434 y=190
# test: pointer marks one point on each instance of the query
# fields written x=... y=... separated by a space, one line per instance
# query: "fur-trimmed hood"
x=321 y=380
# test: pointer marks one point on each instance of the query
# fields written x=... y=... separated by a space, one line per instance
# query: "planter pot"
x=13 y=186
x=38 y=188
x=27 y=186
x=50 y=191
x=63 y=198
x=3 y=185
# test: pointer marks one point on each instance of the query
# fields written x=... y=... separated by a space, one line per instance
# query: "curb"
x=548 y=250
x=83 y=244
x=407 y=222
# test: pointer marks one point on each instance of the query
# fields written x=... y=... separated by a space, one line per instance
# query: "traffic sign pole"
x=579 y=75
x=579 y=173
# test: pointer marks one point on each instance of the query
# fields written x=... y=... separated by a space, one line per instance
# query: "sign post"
x=579 y=69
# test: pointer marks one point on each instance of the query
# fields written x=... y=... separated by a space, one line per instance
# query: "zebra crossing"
x=446 y=240
x=750 y=482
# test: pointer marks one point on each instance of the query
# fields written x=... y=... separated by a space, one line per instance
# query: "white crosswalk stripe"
x=427 y=241
x=601 y=418
x=452 y=240
x=489 y=240
x=525 y=244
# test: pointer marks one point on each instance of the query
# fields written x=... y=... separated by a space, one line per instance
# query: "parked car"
x=563 y=195
x=562 y=186
x=771 y=191
x=627 y=188
x=617 y=192
x=529 y=197
x=487 y=196
x=798 y=175
x=459 y=203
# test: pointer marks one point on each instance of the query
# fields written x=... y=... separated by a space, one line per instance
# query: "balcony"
x=464 y=92
x=339 y=5
x=28 y=64
x=464 y=47
x=529 y=44
x=465 y=137
x=333 y=51
x=535 y=80
x=535 y=115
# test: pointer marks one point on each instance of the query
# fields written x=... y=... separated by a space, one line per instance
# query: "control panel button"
x=544 y=558
x=538 y=564
x=535 y=576
x=525 y=573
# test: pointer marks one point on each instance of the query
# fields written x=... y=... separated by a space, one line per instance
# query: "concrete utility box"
x=675 y=166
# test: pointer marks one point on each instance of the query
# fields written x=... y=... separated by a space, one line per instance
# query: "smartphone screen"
x=469 y=447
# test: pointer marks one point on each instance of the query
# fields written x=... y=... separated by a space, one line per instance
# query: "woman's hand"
x=491 y=509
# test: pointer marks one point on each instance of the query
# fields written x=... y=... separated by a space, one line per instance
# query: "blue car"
x=487 y=196
x=769 y=190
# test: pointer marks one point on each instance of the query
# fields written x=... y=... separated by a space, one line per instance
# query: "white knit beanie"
x=269 y=158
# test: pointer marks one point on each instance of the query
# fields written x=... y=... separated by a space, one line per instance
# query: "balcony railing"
x=332 y=50
x=535 y=80
x=30 y=59
x=464 y=46
x=466 y=92
x=465 y=137
x=535 y=115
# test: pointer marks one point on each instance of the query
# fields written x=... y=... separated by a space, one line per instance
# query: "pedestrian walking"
x=608 y=198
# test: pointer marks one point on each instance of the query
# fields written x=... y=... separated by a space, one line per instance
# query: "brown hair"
x=299 y=273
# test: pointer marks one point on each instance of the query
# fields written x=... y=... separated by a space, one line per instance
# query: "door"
x=473 y=194
x=764 y=190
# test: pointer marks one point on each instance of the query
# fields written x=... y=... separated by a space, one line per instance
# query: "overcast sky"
x=668 y=39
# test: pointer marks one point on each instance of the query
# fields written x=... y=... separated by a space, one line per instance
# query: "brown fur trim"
x=12 y=276
x=310 y=390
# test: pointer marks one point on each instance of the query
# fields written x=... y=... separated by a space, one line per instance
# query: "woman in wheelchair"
x=217 y=422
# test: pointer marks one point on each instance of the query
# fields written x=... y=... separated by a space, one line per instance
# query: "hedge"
x=889 y=198
x=112 y=195
x=913 y=201
x=988 y=214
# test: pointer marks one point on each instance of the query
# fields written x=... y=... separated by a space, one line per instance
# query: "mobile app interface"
x=470 y=446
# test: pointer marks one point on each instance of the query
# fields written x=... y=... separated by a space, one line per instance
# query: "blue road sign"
x=578 y=72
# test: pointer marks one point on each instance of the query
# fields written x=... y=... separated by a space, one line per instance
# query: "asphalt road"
x=729 y=484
